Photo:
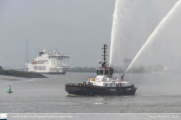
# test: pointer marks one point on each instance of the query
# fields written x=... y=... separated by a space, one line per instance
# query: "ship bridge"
x=105 y=71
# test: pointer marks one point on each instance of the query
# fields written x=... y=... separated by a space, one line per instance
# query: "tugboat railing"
x=113 y=79
x=116 y=78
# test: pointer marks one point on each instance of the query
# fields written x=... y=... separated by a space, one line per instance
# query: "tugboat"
x=103 y=84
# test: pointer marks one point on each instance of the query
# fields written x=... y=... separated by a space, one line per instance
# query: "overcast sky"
x=78 y=28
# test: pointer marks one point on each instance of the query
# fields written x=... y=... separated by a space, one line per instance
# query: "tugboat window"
x=97 y=72
x=101 y=72
x=106 y=72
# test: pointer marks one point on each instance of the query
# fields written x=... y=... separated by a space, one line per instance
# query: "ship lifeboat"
x=34 y=62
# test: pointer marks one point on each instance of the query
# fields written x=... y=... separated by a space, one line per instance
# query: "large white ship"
x=49 y=63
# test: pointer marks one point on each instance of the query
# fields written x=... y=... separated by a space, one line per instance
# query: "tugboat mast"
x=104 y=55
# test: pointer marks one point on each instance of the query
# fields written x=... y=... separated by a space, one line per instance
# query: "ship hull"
x=91 y=90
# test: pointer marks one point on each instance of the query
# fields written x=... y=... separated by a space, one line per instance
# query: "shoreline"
x=24 y=74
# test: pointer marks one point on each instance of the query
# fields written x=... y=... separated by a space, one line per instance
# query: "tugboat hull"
x=84 y=89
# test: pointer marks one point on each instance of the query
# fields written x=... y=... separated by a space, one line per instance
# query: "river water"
x=156 y=93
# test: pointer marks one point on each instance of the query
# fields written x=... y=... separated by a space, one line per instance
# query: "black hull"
x=90 y=90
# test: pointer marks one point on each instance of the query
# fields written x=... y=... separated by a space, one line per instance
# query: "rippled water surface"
x=156 y=93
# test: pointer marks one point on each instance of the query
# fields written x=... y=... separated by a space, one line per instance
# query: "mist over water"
x=133 y=23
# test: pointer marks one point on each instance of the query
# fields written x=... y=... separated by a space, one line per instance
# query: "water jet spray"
x=161 y=25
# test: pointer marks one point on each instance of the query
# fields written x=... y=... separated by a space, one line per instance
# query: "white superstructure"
x=49 y=63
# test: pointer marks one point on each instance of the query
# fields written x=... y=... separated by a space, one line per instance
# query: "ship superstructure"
x=49 y=63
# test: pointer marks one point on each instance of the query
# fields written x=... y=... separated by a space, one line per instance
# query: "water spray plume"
x=161 y=25
x=111 y=46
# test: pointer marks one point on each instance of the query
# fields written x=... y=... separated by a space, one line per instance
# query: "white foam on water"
x=12 y=80
x=28 y=80
x=98 y=103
